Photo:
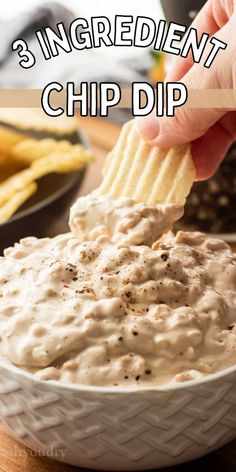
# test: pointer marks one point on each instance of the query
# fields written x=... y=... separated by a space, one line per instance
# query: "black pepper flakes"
x=230 y=327
x=164 y=257
x=148 y=371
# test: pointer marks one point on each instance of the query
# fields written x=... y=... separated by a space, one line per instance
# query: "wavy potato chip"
x=8 y=169
x=16 y=201
x=15 y=183
x=146 y=173
x=29 y=150
x=8 y=139
x=4 y=160
x=36 y=157
x=35 y=119
x=71 y=161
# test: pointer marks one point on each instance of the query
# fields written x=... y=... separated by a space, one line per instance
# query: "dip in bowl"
x=118 y=339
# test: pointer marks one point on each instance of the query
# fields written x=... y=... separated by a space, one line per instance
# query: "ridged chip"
x=16 y=201
x=71 y=161
x=29 y=150
x=147 y=173
x=8 y=139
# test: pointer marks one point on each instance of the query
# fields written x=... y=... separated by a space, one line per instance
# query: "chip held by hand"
x=147 y=173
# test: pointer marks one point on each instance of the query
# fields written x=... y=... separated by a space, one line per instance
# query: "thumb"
x=188 y=124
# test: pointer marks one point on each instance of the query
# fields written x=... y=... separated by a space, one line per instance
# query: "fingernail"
x=148 y=127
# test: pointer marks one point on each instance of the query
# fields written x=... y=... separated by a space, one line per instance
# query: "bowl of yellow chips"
x=42 y=164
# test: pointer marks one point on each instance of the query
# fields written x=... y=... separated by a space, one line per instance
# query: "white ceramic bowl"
x=119 y=429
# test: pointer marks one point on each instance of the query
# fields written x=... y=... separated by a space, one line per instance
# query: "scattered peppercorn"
x=164 y=257
x=148 y=371
x=230 y=328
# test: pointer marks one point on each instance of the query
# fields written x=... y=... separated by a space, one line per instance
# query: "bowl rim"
x=98 y=390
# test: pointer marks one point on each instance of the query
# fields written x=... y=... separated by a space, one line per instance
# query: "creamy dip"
x=119 y=301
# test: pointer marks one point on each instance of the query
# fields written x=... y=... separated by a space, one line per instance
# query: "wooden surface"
x=16 y=458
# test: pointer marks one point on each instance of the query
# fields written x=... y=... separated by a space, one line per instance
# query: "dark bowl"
x=45 y=213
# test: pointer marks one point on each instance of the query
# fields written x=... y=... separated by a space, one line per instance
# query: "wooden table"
x=16 y=458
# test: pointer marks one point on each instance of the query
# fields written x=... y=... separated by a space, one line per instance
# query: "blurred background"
x=123 y=65
x=20 y=19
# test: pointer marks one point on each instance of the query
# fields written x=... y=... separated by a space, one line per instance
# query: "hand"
x=211 y=131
